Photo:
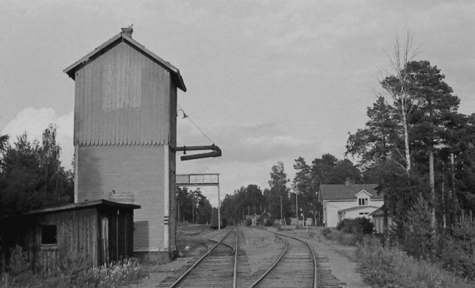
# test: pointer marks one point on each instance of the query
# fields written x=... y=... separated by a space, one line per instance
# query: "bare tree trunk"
x=401 y=56
x=406 y=140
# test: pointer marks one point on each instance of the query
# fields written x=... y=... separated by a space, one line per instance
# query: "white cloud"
x=34 y=121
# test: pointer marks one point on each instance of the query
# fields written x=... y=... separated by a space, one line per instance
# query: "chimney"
x=128 y=31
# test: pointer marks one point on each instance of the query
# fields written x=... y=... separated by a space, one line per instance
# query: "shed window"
x=48 y=234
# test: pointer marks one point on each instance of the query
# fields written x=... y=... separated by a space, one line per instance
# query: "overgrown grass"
x=346 y=239
x=383 y=267
x=72 y=274
x=392 y=267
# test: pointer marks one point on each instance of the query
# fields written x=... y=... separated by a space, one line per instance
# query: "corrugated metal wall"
x=122 y=98
x=125 y=118
x=134 y=170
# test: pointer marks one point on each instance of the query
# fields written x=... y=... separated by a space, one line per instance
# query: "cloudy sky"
x=267 y=81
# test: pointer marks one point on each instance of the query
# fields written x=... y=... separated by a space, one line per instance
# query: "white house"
x=348 y=201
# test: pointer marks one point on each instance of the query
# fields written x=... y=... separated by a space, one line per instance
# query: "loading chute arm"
x=216 y=152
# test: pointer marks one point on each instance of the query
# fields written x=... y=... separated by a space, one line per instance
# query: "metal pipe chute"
x=216 y=152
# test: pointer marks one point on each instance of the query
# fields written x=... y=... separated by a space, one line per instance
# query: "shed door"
x=105 y=240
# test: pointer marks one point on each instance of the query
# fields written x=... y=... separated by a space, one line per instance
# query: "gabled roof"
x=122 y=37
x=338 y=192
x=262 y=215
x=363 y=192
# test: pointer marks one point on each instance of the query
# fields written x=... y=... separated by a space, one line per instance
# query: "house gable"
x=363 y=193
x=119 y=38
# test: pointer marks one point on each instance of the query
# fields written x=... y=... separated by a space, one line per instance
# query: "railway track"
x=216 y=268
x=224 y=265
x=295 y=267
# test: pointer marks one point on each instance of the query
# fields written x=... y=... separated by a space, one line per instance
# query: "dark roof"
x=379 y=212
x=343 y=192
x=122 y=37
x=262 y=215
x=75 y=206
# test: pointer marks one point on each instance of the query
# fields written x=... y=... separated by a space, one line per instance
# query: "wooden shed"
x=93 y=233
x=125 y=136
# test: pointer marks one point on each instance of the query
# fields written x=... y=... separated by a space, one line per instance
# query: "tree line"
x=193 y=206
x=31 y=174
x=415 y=145
x=418 y=147
x=284 y=199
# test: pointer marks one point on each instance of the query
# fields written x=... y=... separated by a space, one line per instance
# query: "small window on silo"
x=48 y=234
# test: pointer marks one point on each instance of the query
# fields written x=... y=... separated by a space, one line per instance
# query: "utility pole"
x=219 y=209
x=193 y=206
x=281 y=217
x=452 y=193
x=297 y=206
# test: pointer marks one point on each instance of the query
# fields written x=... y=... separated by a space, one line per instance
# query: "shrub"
x=268 y=223
x=326 y=232
x=248 y=222
x=383 y=267
x=456 y=252
x=117 y=274
x=19 y=263
x=418 y=240
x=358 y=225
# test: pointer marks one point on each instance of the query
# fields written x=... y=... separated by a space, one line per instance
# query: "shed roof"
x=75 y=206
x=379 y=212
x=338 y=192
x=122 y=37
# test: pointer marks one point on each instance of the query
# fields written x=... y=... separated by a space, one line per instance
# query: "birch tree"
x=396 y=85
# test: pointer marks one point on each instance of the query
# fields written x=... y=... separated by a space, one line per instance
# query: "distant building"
x=258 y=219
x=378 y=220
x=263 y=219
x=348 y=201
x=88 y=233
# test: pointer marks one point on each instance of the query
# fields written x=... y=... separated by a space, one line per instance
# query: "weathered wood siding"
x=135 y=170
x=116 y=239
x=84 y=237
x=122 y=98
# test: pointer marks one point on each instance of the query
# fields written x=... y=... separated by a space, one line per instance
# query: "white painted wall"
x=363 y=212
x=331 y=209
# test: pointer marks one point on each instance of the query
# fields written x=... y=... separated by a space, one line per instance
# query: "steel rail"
x=236 y=255
x=225 y=244
x=272 y=267
x=314 y=256
x=183 y=276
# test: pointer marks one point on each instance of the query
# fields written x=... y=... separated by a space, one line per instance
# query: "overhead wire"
x=193 y=122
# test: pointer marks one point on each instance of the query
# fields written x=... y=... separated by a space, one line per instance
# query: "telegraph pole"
x=281 y=210
x=297 y=207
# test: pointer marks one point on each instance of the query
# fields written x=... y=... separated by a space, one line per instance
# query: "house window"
x=48 y=234
x=362 y=201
